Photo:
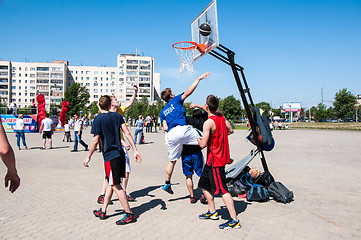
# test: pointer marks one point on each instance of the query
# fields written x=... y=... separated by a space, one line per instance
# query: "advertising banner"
x=8 y=122
x=292 y=107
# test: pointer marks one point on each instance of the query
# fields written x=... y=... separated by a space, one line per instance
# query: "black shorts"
x=46 y=134
x=115 y=170
x=213 y=179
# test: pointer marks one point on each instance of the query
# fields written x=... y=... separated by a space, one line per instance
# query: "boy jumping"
x=213 y=179
x=106 y=127
x=173 y=118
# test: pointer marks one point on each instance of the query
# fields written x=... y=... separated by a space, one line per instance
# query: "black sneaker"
x=203 y=199
x=101 y=199
x=73 y=150
x=86 y=148
x=100 y=214
x=193 y=199
x=130 y=198
x=127 y=218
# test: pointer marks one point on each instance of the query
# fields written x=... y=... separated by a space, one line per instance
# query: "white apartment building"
x=98 y=80
x=5 y=86
x=26 y=80
x=20 y=82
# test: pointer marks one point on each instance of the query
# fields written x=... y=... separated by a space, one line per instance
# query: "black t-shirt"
x=197 y=123
x=107 y=126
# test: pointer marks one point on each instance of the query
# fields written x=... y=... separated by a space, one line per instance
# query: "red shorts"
x=115 y=170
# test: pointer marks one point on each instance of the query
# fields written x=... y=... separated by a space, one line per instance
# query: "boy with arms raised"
x=173 y=118
x=106 y=127
x=213 y=179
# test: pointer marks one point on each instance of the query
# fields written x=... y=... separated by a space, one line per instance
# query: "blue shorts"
x=192 y=162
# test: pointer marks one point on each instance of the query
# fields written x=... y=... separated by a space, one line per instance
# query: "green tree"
x=265 y=107
x=93 y=109
x=321 y=112
x=313 y=110
x=77 y=96
x=231 y=108
x=344 y=104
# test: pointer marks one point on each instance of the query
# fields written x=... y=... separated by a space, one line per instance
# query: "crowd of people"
x=185 y=138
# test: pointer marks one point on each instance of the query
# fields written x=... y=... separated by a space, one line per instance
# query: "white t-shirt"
x=47 y=122
x=77 y=125
x=67 y=128
x=19 y=124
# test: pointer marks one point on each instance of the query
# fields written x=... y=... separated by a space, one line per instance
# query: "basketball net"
x=186 y=51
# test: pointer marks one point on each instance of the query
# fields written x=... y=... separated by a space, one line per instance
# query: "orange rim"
x=181 y=45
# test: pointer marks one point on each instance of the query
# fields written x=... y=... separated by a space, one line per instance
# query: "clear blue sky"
x=289 y=49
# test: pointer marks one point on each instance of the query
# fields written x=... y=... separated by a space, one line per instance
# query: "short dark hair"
x=165 y=95
x=46 y=114
x=105 y=102
x=212 y=102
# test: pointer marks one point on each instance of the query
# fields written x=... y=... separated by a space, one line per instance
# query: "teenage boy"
x=106 y=128
x=47 y=126
x=192 y=157
x=173 y=117
x=78 y=129
x=115 y=107
x=213 y=179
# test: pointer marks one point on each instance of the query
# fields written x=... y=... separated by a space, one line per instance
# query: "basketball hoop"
x=186 y=51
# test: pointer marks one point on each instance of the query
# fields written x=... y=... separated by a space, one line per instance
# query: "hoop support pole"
x=229 y=60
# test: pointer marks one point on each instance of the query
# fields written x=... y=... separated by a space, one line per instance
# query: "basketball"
x=254 y=172
x=205 y=29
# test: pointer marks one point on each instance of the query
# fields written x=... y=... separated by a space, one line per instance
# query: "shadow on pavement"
x=144 y=192
x=240 y=207
x=137 y=211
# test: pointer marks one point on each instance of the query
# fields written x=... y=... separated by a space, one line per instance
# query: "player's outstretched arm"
x=8 y=157
x=132 y=99
x=126 y=132
x=194 y=105
x=192 y=87
x=93 y=146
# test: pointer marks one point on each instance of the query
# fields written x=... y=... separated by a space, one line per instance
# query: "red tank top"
x=217 y=146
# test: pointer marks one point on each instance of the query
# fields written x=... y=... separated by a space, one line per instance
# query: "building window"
x=95 y=84
x=42 y=69
x=95 y=96
x=32 y=69
x=88 y=84
x=132 y=61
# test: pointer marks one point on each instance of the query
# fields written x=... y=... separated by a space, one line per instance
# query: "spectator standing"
x=67 y=134
x=154 y=120
x=139 y=129
x=20 y=133
x=47 y=126
x=78 y=129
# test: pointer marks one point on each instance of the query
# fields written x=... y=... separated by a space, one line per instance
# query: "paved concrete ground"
x=57 y=194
